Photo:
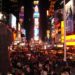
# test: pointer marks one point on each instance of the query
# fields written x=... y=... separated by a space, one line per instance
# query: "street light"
x=64 y=34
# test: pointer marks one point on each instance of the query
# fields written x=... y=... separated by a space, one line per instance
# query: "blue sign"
x=36 y=15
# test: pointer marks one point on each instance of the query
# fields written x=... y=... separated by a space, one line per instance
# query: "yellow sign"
x=14 y=36
x=62 y=31
x=36 y=2
x=70 y=39
x=48 y=33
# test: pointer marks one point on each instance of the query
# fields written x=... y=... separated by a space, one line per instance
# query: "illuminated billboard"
x=13 y=21
x=52 y=21
x=70 y=39
x=69 y=17
x=36 y=21
x=23 y=31
x=36 y=8
x=36 y=2
x=36 y=15
x=21 y=15
x=36 y=34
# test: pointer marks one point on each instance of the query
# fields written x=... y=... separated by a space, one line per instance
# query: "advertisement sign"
x=36 y=9
x=69 y=18
x=21 y=15
x=70 y=39
x=52 y=21
x=48 y=33
x=23 y=31
x=36 y=32
x=36 y=2
x=36 y=21
x=36 y=15
x=62 y=31
x=13 y=21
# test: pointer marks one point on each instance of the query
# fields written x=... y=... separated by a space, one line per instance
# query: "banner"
x=69 y=18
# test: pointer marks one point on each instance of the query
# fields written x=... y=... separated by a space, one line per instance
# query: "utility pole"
x=64 y=34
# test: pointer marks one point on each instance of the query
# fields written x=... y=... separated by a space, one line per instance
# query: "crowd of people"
x=35 y=63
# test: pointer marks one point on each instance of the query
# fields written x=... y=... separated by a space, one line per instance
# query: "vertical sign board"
x=21 y=15
x=69 y=17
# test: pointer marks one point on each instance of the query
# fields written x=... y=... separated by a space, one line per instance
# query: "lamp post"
x=64 y=34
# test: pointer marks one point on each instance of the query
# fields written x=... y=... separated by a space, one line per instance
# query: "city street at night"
x=37 y=37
